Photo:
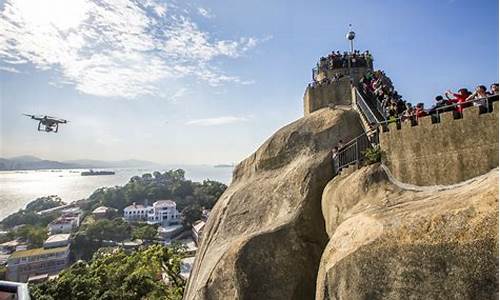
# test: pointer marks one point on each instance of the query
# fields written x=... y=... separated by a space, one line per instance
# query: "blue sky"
x=208 y=81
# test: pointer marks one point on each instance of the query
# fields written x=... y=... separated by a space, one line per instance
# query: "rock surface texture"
x=390 y=242
x=265 y=236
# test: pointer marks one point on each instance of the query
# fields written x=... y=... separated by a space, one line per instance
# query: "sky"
x=207 y=82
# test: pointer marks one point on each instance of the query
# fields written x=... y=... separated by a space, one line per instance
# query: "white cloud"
x=205 y=13
x=114 y=48
x=179 y=94
x=217 y=121
x=9 y=69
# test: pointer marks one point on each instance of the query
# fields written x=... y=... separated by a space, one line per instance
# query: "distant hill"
x=34 y=163
x=129 y=163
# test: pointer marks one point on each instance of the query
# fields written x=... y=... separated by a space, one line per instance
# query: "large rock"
x=391 y=242
x=265 y=236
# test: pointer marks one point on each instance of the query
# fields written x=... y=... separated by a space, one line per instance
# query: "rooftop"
x=58 y=238
x=64 y=220
x=164 y=203
x=37 y=251
x=102 y=210
x=135 y=206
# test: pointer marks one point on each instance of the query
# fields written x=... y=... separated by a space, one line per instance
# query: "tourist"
x=481 y=95
x=460 y=97
x=335 y=152
x=420 y=111
x=335 y=164
x=340 y=145
x=409 y=113
x=494 y=89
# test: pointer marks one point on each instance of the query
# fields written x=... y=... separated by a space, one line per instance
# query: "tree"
x=119 y=275
x=34 y=236
x=29 y=215
x=191 y=214
x=115 y=230
x=44 y=203
x=145 y=232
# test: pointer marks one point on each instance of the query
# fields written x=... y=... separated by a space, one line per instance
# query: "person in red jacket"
x=420 y=111
x=461 y=97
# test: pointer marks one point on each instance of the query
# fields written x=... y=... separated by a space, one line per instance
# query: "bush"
x=372 y=155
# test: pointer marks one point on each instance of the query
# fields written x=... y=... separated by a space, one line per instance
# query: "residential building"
x=63 y=225
x=23 y=264
x=68 y=221
x=57 y=240
x=162 y=212
x=136 y=212
x=73 y=212
x=11 y=246
x=197 y=231
x=103 y=212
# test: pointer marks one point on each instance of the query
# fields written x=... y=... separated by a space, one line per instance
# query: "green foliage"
x=168 y=185
x=191 y=214
x=29 y=215
x=44 y=203
x=145 y=232
x=33 y=235
x=119 y=275
x=372 y=155
x=115 y=230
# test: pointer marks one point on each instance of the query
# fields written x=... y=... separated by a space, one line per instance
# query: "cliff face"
x=265 y=236
x=387 y=242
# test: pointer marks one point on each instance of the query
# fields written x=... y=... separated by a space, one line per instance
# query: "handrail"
x=365 y=108
x=352 y=152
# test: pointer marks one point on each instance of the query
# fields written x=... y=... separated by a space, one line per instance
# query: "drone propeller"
x=31 y=116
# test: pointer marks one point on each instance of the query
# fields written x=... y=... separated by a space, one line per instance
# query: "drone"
x=47 y=123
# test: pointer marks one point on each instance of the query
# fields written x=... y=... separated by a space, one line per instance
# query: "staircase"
x=353 y=152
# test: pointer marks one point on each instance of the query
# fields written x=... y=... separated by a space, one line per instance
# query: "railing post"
x=356 y=149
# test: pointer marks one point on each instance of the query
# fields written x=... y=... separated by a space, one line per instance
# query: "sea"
x=18 y=188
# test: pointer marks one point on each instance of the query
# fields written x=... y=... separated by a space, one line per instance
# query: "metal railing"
x=435 y=113
x=365 y=109
x=353 y=151
x=15 y=290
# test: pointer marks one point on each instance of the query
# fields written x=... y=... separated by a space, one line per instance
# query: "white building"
x=162 y=212
x=135 y=212
x=63 y=225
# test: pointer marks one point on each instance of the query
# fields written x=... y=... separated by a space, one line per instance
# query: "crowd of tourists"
x=378 y=87
x=325 y=80
x=336 y=60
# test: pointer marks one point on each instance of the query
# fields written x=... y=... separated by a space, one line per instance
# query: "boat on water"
x=96 y=173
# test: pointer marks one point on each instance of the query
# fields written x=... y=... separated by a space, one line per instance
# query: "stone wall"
x=337 y=92
x=442 y=153
x=356 y=73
